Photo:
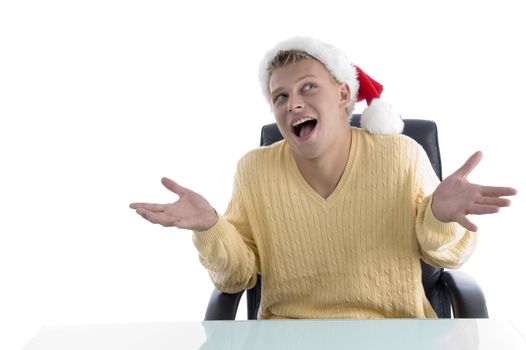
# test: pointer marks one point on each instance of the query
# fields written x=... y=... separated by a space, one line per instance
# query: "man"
x=334 y=218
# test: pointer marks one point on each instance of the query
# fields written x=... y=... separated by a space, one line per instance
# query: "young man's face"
x=309 y=106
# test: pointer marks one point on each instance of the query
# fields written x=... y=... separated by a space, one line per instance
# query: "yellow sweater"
x=353 y=255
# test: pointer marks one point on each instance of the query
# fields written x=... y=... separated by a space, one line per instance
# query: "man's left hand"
x=456 y=197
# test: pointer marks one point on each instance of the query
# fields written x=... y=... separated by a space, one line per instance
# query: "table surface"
x=280 y=334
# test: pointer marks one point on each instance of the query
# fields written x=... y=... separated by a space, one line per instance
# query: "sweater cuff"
x=441 y=235
x=212 y=236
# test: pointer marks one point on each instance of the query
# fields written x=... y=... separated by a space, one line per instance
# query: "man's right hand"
x=191 y=211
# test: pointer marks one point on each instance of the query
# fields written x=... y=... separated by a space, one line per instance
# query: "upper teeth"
x=302 y=120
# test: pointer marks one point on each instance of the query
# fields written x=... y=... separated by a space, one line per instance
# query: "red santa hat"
x=378 y=118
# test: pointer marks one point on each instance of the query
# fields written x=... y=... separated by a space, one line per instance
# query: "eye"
x=279 y=98
x=308 y=86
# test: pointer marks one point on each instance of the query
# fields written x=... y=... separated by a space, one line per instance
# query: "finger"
x=142 y=213
x=148 y=206
x=173 y=186
x=469 y=165
x=496 y=201
x=144 y=217
x=155 y=218
x=468 y=225
x=491 y=191
x=483 y=209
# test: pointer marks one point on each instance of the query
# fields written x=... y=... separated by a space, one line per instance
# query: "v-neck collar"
x=328 y=202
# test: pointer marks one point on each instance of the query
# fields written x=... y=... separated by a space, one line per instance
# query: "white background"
x=100 y=99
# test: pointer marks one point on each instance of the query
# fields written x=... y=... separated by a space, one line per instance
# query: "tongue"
x=305 y=130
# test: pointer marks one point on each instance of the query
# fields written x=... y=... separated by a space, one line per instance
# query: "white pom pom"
x=381 y=118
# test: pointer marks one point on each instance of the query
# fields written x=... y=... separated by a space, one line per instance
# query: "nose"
x=295 y=104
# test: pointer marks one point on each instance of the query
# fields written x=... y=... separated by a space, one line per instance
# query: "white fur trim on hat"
x=381 y=118
x=336 y=62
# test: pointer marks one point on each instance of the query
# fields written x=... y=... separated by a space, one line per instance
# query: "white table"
x=443 y=334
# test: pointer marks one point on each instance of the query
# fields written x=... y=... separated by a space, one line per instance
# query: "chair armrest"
x=467 y=298
x=222 y=306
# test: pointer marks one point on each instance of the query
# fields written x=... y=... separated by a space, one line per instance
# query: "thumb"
x=173 y=186
x=469 y=165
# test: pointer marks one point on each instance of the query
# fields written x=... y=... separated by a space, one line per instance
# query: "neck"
x=324 y=173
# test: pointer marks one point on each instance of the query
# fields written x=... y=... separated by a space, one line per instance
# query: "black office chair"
x=445 y=290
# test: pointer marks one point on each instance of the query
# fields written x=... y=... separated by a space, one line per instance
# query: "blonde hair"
x=284 y=58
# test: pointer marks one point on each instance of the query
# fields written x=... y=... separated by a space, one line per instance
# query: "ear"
x=345 y=94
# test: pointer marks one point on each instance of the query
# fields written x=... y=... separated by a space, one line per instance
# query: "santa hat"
x=378 y=118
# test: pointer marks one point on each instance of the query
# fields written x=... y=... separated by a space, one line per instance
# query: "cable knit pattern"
x=353 y=255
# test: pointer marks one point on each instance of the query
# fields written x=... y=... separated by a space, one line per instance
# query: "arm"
x=446 y=237
x=225 y=245
x=227 y=250
x=442 y=244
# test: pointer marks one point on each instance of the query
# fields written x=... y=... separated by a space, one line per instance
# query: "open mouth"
x=304 y=127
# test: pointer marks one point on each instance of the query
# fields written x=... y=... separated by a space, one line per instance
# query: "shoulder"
x=396 y=142
x=262 y=157
x=390 y=150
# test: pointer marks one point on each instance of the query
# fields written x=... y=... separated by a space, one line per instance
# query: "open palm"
x=192 y=211
x=456 y=197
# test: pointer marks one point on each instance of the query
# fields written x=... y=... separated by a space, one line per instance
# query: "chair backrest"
x=425 y=133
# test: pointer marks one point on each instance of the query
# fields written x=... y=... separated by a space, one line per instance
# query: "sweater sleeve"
x=441 y=244
x=227 y=250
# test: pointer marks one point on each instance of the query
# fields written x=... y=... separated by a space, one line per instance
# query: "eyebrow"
x=281 y=88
